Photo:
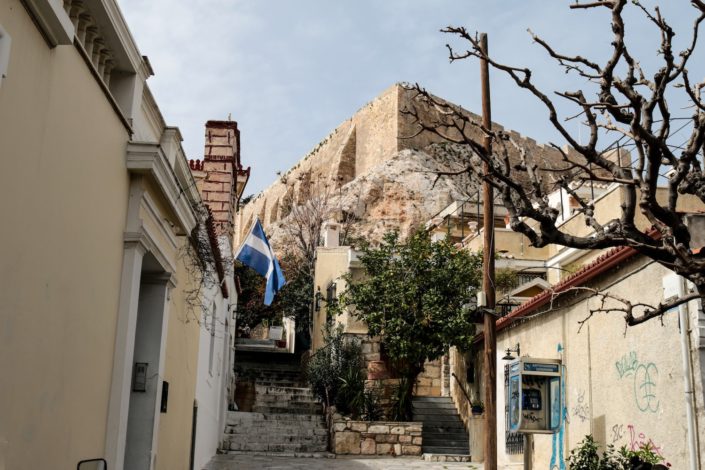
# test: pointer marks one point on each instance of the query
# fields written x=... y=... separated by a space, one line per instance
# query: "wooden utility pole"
x=490 y=334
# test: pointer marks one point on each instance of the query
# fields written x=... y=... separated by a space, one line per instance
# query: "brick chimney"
x=217 y=175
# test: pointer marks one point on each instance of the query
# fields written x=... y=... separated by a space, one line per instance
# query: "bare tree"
x=624 y=106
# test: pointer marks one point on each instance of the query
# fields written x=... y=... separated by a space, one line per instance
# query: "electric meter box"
x=534 y=392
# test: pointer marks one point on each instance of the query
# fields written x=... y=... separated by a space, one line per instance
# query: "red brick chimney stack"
x=221 y=165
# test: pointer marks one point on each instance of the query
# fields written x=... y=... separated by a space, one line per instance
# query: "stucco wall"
x=180 y=371
x=211 y=386
x=331 y=263
x=61 y=251
x=624 y=386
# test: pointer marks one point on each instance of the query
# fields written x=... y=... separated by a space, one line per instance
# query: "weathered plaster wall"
x=623 y=386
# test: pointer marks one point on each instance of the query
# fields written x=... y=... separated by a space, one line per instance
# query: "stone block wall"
x=428 y=383
x=376 y=437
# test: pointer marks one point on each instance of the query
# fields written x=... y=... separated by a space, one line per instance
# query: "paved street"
x=256 y=462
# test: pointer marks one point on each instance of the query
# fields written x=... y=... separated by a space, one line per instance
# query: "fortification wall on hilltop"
x=364 y=140
x=373 y=135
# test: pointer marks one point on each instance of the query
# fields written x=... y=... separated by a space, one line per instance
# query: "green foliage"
x=401 y=407
x=412 y=297
x=505 y=280
x=586 y=456
x=293 y=300
x=335 y=373
x=645 y=454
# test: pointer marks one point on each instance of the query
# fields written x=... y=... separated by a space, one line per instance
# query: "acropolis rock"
x=377 y=166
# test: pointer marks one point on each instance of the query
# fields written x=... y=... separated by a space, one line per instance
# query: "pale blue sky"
x=290 y=71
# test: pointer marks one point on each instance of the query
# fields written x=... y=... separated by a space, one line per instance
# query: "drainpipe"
x=683 y=318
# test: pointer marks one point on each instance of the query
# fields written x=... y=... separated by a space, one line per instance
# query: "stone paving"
x=256 y=462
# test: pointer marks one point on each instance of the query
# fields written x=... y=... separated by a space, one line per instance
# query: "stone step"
x=432 y=400
x=253 y=432
x=454 y=434
x=275 y=439
x=233 y=454
x=283 y=399
x=433 y=406
x=313 y=405
x=280 y=389
x=274 y=447
x=445 y=442
x=435 y=411
x=443 y=431
x=306 y=409
x=235 y=418
x=437 y=418
x=446 y=450
x=446 y=458
x=278 y=383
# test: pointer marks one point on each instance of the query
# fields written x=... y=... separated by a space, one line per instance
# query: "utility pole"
x=490 y=334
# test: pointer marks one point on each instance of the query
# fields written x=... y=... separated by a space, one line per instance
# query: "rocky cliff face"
x=377 y=167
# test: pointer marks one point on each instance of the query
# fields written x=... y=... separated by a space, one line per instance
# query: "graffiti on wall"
x=581 y=409
x=644 y=378
x=617 y=433
x=634 y=439
x=639 y=440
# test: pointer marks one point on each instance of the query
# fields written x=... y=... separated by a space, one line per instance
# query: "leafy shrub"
x=401 y=407
x=336 y=375
x=586 y=456
x=643 y=459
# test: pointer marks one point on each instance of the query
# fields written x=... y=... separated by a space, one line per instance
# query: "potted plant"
x=477 y=407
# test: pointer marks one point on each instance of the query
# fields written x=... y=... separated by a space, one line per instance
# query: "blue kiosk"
x=535 y=395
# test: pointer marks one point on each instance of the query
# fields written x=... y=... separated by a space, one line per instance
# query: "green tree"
x=293 y=300
x=412 y=297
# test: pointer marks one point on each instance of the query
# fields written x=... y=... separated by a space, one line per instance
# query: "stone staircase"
x=443 y=430
x=281 y=416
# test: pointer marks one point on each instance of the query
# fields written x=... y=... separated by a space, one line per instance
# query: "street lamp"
x=508 y=356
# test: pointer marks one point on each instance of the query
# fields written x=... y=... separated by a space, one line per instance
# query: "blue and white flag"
x=256 y=253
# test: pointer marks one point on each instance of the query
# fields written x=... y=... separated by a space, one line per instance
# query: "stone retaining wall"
x=376 y=437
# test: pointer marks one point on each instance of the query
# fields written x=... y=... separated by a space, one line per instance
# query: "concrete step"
x=236 y=418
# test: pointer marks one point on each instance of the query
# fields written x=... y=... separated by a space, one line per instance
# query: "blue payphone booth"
x=534 y=394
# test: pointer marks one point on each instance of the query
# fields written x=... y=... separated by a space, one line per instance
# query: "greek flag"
x=256 y=253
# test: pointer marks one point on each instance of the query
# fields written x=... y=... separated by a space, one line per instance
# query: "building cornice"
x=148 y=159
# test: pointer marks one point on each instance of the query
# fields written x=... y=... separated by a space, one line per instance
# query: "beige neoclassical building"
x=100 y=338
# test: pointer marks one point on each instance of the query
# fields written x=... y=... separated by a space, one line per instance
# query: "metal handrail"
x=461 y=387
